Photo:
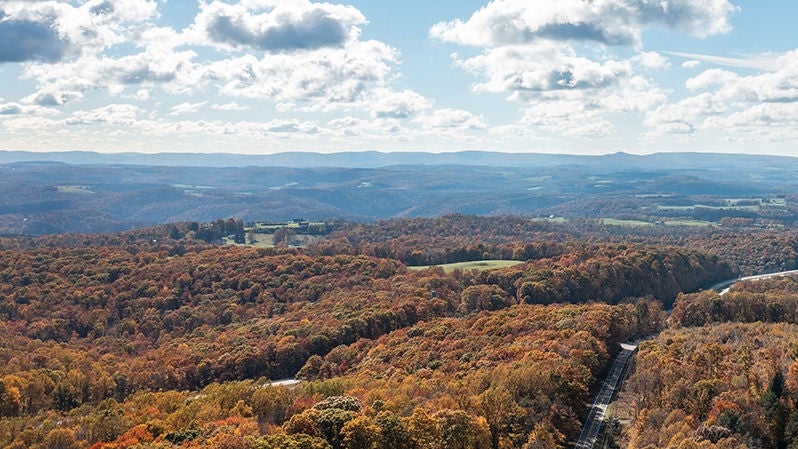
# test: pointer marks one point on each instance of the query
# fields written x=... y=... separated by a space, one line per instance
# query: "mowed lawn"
x=475 y=265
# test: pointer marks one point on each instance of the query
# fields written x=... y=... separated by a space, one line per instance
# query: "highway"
x=723 y=287
x=285 y=382
x=595 y=420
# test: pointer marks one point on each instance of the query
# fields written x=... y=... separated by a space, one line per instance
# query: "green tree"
x=271 y=404
x=108 y=422
x=347 y=403
x=331 y=421
x=283 y=441
x=776 y=410
x=65 y=396
x=393 y=433
x=360 y=433
x=306 y=423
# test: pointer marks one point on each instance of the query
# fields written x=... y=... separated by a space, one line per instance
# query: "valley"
x=154 y=338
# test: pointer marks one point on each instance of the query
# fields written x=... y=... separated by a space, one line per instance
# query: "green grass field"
x=475 y=265
x=74 y=190
x=699 y=223
x=616 y=222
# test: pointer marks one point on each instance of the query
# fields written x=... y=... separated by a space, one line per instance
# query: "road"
x=723 y=287
x=285 y=382
x=595 y=420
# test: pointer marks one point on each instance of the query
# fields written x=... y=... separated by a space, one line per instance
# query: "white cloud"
x=758 y=106
x=682 y=117
x=542 y=67
x=276 y=26
x=565 y=93
x=297 y=54
x=10 y=109
x=113 y=114
x=609 y=22
x=570 y=117
x=55 y=30
x=709 y=78
x=767 y=62
x=323 y=79
x=651 y=60
x=232 y=106
x=186 y=108
x=399 y=105
x=13 y=109
x=452 y=119
x=558 y=58
x=691 y=64
x=63 y=82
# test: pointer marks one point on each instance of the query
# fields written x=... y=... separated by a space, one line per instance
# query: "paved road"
x=595 y=420
x=285 y=382
x=723 y=287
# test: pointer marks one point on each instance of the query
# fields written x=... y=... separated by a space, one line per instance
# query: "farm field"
x=640 y=223
x=479 y=265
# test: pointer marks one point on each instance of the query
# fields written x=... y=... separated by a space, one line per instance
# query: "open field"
x=736 y=204
x=638 y=223
x=700 y=223
x=267 y=241
x=616 y=222
x=475 y=265
x=74 y=189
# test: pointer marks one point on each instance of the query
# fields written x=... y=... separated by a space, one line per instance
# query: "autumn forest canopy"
x=162 y=337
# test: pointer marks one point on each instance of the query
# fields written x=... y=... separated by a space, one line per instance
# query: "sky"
x=267 y=76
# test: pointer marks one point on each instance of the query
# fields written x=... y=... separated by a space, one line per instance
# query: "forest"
x=156 y=338
x=724 y=375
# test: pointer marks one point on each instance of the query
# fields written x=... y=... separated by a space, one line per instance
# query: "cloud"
x=297 y=54
x=323 y=79
x=558 y=58
x=760 y=105
x=54 y=30
x=398 y=105
x=186 y=108
x=651 y=60
x=62 y=82
x=290 y=127
x=10 y=109
x=608 y=22
x=282 y=26
x=691 y=64
x=52 y=97
x=26 y=40
x=232 y=106
x=681 y=117
x=113 y=114
x=570 y=117
x=767 y=62
x=64 y=45
x=541 y=68
x=452 y=119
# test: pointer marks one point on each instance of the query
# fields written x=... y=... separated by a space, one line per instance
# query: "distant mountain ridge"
x=84 y=192
x=376 y=159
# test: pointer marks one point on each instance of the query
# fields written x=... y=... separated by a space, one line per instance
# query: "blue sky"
x=264 y=76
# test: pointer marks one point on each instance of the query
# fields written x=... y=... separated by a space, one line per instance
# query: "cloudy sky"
x=263 y=76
